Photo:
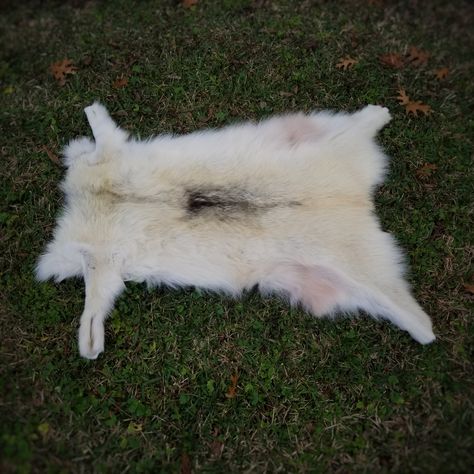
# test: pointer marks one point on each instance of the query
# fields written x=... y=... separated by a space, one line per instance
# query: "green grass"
x=312 y=395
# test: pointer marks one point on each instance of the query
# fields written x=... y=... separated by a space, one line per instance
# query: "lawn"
x=194 y=382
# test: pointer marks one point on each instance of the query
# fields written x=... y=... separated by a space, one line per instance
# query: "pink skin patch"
x=320 y=291
x=318 y=294
x=299 y=128
x=317 y=288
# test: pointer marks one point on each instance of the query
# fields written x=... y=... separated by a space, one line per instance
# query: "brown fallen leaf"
x=469 y=287
x=61 y=69
x=441 y=73
x=412 y=106
x=418 y=57
x=417 y=106
x=309 y=427
x=346 y=63
x=185 y=464
x=52 y=156
x=311 y=43
x=259 y=4
x=426 y=170
x=189 y=3
x=402 y=97
x=216 y=447
x=354 y=39
x=394 y=60
x=231 y=391
x=120 y=82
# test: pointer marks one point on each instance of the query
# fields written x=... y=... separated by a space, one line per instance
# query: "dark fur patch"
x=218 y=200
x=227 y=202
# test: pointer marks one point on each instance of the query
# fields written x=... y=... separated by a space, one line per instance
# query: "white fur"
x=285 y=204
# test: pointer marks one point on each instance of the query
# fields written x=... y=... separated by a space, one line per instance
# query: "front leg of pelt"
x=109 y=138
x=91 y=335
x=99 y=119
x=103 y=285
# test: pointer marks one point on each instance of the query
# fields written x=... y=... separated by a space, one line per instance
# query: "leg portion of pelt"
x=371 y=119
x=396 y=304
x=101 y=123
x=325 y=290
x=384 y=291
x=108 y=136
x=103 y=285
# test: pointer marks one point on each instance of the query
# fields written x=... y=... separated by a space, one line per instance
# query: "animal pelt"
x=285 y=204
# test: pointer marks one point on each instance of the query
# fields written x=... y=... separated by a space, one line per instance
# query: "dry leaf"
x=394 y=60
x=441 y=73
x=426 y=170
x=417 y=57
x=311 y=43
x=120 y=82
x=415 y=107
x=346 y=63
x=61 y=69
x=185 y=464
x=469 y=287
x=354 y=39
x=231 y=391
x=259 y=4
x=52 y=156
x=412 y=106
x=189 y=3
x=216 y=448
x=402 y=97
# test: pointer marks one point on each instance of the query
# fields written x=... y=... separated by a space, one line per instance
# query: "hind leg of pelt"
x=396 y=304
x=325 y=290
x=385 y=292
x=374 y=265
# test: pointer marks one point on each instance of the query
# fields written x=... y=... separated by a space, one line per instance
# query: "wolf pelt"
x=285 y=204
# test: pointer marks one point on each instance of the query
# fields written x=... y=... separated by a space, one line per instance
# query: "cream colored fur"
x=285 y=204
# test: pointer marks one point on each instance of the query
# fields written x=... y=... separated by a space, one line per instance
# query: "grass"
x=350 y=395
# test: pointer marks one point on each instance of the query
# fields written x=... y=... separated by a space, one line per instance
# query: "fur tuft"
x=79 y=148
